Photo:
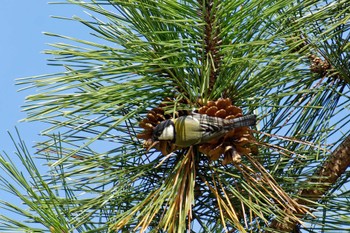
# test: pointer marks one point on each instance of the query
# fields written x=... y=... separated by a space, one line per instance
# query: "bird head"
x=164 y=131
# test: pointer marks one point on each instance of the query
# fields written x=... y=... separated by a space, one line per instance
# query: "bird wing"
x=210 y=127
x=200 y=128
x=247 y=120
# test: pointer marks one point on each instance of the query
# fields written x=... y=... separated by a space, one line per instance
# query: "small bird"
x=197 y=128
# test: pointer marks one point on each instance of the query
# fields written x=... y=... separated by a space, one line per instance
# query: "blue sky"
x=22 y=42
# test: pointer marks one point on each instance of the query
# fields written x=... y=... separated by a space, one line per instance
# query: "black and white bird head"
x=165 y=130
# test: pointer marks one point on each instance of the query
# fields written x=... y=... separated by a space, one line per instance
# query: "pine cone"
x=318 y=65
x=235 y=143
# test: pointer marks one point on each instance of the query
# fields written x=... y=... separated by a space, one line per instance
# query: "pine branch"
x=192 y=48
x=212 y=41
x=324 y=178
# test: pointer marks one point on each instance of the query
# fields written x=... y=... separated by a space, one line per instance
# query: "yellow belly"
x=188 y=132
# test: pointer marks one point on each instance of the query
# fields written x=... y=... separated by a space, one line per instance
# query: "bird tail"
x=248 y=120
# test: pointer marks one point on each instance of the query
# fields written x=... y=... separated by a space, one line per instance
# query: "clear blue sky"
x=22 y=42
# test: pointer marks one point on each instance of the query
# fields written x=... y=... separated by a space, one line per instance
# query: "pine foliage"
x=286 y=61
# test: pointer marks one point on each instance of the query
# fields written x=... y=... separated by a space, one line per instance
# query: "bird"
x=198 y=128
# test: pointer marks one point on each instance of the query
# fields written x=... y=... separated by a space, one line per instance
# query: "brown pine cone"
x=236 y=142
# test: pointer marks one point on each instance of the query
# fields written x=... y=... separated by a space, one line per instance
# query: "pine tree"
x=286 y=61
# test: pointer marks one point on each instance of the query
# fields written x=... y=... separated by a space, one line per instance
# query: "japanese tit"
x=198 y=128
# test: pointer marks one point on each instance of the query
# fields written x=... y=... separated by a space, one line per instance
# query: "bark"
x=323 y=179
x=212 y=40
